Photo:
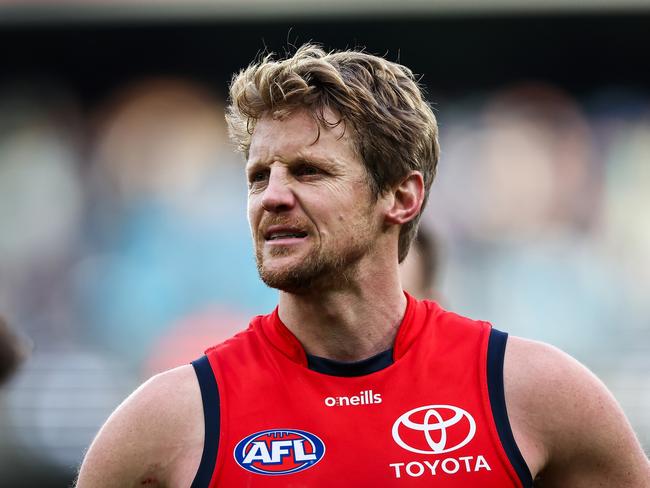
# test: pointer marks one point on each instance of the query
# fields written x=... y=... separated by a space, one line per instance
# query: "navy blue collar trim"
x=358 y=368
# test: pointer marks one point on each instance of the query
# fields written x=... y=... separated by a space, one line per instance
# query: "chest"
x=423 y=421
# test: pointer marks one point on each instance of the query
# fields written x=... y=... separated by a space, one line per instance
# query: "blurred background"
x=124 y=248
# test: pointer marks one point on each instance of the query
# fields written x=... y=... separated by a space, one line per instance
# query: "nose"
x=278 y=196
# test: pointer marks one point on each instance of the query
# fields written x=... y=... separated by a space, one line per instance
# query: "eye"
x=257 y=177
x=307 y=170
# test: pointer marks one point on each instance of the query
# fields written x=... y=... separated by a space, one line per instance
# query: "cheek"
x=252 y=216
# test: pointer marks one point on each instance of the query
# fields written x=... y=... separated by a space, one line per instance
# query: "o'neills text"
x=366 y=397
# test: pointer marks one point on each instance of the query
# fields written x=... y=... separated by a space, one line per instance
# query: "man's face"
x=310 y=209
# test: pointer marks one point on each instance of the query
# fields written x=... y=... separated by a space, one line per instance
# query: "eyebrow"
x=258 y=165
x=252 y=167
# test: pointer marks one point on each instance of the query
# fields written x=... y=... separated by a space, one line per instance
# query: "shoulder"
x=568 y=425
x=154 y=435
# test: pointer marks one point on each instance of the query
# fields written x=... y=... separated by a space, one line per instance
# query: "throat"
x=346 y=330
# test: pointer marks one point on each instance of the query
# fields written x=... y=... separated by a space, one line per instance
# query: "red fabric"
x=440 y=364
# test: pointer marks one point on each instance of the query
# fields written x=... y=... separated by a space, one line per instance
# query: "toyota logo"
x=434 y=429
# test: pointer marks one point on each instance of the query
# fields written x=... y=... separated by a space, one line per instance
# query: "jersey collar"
x=285 y=342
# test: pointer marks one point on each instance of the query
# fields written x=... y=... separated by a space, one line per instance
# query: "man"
x=350 y=381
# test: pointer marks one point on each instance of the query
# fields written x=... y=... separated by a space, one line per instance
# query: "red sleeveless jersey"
x=435 y=416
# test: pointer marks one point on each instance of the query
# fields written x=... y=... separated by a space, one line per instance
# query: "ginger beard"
x=330 y=263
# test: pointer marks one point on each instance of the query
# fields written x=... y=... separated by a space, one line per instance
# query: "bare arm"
x=154 y=438
x=568 y=425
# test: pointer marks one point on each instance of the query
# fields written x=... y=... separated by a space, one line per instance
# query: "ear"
x=406 y=199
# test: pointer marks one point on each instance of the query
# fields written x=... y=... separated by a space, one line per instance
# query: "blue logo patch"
x=279 y=451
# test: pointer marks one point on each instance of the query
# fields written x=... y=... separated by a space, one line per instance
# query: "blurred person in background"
x=419 y=272
x=12 y=351
x=341 y=151
x=52 y=407
x=523 y=228
x=40 y=146
x=164 y=190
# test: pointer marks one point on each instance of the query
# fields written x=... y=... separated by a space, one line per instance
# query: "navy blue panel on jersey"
x=358 y=368
x=211 y=415
x=496 y=353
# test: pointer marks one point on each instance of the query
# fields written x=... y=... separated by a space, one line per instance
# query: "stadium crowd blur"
x=124 y=248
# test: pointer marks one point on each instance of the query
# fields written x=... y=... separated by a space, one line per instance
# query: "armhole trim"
x=495 y=356
x=211 y=416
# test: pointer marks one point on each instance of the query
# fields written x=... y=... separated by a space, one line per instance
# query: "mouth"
x=280 y=234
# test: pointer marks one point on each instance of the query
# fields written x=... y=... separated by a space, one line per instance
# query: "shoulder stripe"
x=496 y=353
x=211 y=415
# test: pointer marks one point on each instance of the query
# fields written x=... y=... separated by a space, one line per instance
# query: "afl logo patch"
x=279 y=451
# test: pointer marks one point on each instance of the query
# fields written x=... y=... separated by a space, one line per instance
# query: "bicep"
x=596 y=445
x=576 y=422
x=142 y=441
x=118 y=456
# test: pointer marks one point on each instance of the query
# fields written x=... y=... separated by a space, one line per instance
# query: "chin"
x=286 y=278
x=301 y=273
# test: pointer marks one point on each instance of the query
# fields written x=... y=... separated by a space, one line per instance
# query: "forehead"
x=297 y=135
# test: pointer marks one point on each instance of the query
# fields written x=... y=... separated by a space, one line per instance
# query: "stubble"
x=328 y=266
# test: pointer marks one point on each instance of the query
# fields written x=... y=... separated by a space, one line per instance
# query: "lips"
x=274 y=233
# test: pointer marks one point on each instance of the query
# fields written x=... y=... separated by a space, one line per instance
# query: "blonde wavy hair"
x=394 y=128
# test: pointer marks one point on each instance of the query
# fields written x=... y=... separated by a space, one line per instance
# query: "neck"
x=347 y=324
